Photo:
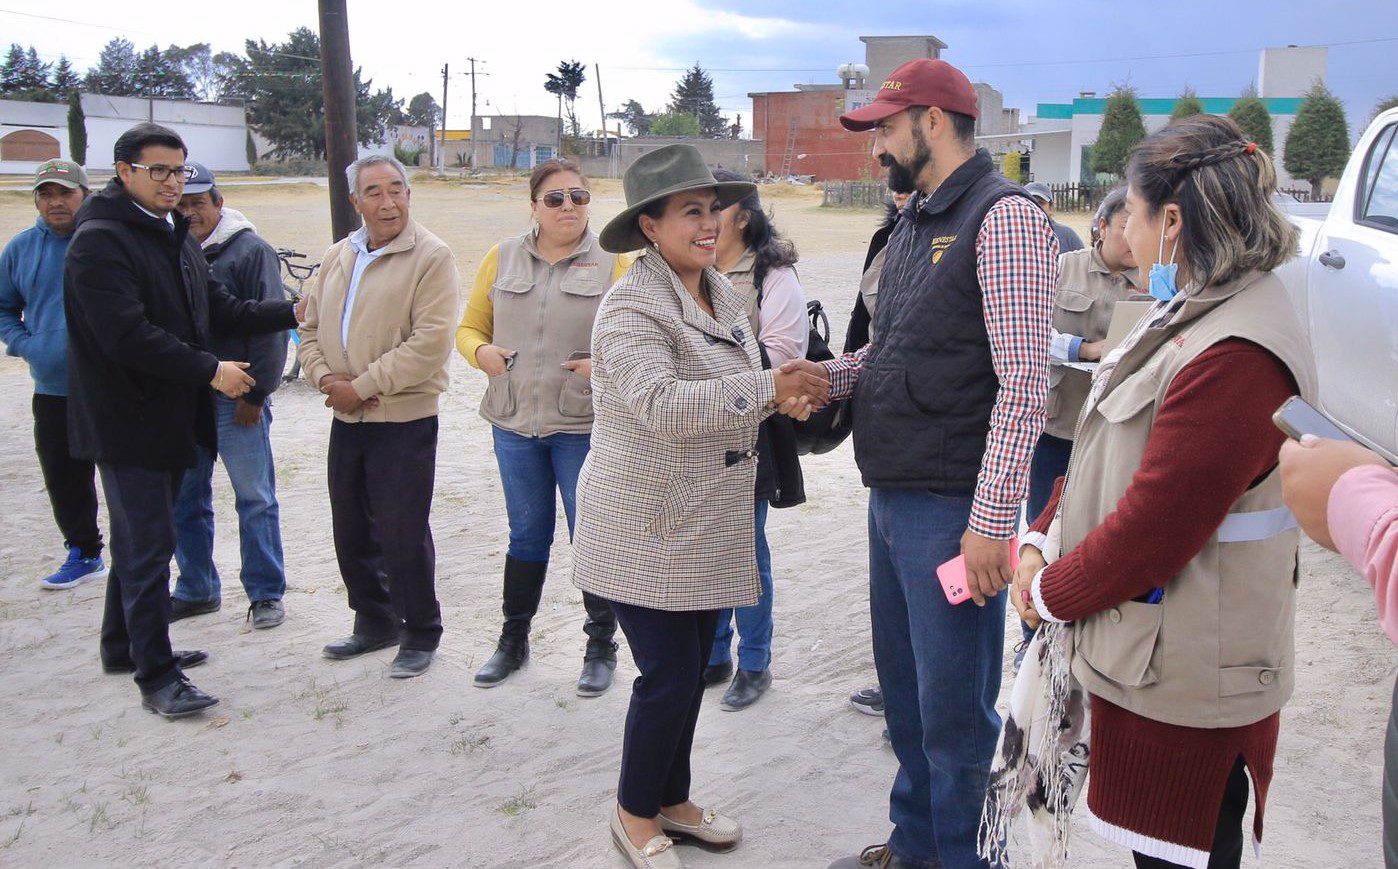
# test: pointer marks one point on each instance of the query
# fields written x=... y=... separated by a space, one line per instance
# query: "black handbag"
x=828 y=427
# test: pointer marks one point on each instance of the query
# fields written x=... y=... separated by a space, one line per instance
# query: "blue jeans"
x=1050 y=462
x=754 y=622
x=530 y=470
x=939 y=667
x=246 y=452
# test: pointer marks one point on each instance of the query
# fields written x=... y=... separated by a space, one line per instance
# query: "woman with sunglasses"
x=528 y=326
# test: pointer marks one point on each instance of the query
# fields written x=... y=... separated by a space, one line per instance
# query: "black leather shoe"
x=184 y=658
x=717 y=674
x=748 y=686
x=409 y=663
x=599 y=663
x=509 y=656
x=355 y=645
x=178 y=699
x=183 y=609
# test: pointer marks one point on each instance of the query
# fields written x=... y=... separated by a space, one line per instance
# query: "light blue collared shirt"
x=359 y=240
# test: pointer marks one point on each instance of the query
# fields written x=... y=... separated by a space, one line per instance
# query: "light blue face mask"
x=1162 y=275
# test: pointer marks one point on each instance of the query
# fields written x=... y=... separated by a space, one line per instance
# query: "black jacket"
x=927 y=386
x=140 y=304
x=248 y=267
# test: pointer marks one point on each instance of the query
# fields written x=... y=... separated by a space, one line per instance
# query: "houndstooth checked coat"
x=665 y=498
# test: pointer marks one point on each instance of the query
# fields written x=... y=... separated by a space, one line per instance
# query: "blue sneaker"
x=75 y=571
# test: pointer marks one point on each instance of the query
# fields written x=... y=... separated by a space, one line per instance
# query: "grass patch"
x=518 y=804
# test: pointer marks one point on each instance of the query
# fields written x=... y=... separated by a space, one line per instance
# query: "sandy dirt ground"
x=308 y=762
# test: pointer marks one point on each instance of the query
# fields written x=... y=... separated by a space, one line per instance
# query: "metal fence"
x=855 y=194
x=1079 y=197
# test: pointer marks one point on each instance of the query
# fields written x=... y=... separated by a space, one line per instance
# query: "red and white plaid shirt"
x=1017 y=265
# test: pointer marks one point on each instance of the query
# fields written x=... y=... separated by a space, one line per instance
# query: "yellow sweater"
x=478 y=320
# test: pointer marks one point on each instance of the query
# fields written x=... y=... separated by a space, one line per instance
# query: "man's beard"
x=903 y=179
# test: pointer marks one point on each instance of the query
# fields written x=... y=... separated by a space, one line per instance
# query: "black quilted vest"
x=924 y=395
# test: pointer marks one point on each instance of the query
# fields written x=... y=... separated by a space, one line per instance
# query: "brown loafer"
x=658 y=853
x=719 y=832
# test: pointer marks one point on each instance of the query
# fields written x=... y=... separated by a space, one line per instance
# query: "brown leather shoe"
x=872 y=857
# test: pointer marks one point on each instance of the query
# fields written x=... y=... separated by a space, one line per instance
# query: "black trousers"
x=381 y=476
x=136 y=620
x=1227 y=851
x=71 y=483
x=671 y=650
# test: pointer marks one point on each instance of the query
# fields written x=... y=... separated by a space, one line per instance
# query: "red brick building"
x=802 y=134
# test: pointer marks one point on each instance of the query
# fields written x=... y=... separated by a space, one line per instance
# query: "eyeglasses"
x=554 y=198
x=160 y=173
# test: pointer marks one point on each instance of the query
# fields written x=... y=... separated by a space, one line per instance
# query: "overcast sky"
x=1032 y=50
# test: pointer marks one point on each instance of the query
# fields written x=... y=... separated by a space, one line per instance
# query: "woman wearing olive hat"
x=664 y=500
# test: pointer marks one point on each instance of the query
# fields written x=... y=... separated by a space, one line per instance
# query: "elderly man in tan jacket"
x=376 y=340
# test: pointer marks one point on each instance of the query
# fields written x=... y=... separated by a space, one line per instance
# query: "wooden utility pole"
x=341 y=134
x=442 y=151
x=597 y=71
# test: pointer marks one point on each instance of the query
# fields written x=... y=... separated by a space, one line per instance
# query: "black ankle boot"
x=599 y=663
x=524 y=585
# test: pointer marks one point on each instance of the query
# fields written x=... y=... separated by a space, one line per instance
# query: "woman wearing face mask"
x=1178 y=556
x=665 y=499
x=758 y=263
x=1090 y=283
x=528 y=326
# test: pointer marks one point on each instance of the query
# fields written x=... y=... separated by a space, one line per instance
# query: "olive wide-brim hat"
x=654 y=176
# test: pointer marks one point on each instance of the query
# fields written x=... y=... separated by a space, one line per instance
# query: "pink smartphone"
x=952 y=575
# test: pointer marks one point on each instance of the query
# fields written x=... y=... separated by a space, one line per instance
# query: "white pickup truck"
x=1345 y=287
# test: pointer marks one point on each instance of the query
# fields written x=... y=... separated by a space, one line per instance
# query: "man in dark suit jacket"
x=140 y=303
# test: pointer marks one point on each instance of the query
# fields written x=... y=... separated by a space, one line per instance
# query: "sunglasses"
x=554 y=198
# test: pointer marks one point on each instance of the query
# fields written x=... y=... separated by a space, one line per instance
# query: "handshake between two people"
x=803 y=387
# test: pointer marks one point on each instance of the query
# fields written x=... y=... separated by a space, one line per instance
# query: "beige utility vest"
x=1217 y=651
x=743 y=277
x=544 y=313
x=1087 y=293
x=869 y=284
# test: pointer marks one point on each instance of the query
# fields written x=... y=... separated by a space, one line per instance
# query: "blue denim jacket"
x=32 y=323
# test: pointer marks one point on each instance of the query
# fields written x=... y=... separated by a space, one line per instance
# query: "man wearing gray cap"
x=248 y=268
x=1068 y=240
x=33 y=327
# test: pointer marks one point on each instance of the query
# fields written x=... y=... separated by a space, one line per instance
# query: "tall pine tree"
x=65 y=80
x=1187 y=105
x=115 y=72
x=694 y=95
x=1251 y=115
x=1122 y=128
x=1318 y=145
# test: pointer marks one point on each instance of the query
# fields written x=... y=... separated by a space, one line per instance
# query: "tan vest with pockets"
x=1087 y=293
x=544 y=313
x=1217 y=651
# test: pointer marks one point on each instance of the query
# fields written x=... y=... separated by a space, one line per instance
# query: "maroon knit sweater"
x=1212 y=439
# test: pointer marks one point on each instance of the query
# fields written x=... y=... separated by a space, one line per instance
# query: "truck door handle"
x=1332 y=259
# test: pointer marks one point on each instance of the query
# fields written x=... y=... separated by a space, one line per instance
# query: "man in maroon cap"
x=948 y=404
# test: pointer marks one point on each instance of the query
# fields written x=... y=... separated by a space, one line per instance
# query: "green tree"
x=1252 y=117
x=65 y=81
x=694 y=95
x=160 y=74
x=281 y=83
x=115 y=72
x=1318 y=145
x=1187 y=105
x=565 y=84
x=423 y=111
x=1122 y=128
x=250 y=149
x=675 y=124
x=635 y=118
x=1010 y=166
x=77 y=129
x=1389 y=102
x=205 y=70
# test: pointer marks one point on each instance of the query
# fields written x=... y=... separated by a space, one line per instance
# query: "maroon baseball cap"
x=920 y=82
